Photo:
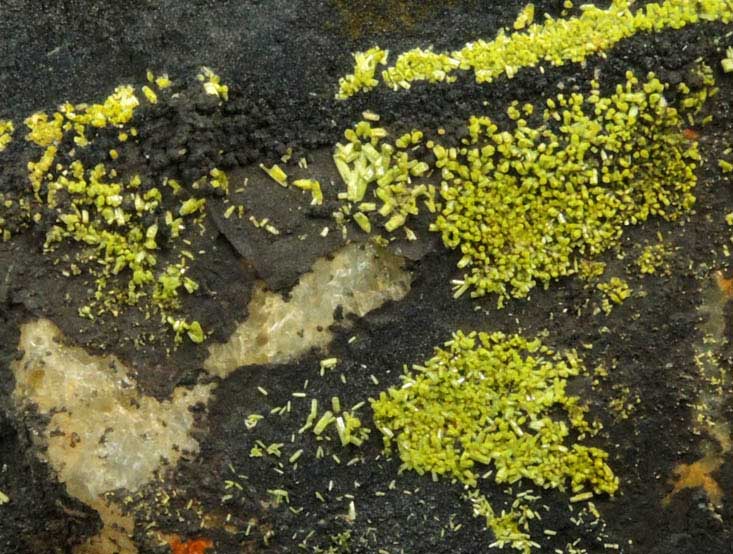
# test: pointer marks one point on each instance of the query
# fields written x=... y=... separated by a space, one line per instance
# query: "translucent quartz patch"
x=102 y=434
x=359 y=278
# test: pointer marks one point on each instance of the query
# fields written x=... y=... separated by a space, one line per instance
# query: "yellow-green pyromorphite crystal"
x=368 y=164
x=495 y=405
x=365 y=67
x=6 y=133
x=727 y=62
x=520 y=204
x=615 y=291
x=493 y=400
x=552 y=41
x=115 y=221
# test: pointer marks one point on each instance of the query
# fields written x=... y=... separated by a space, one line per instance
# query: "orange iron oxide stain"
x=690 y=134
x=698 y=475
x=192 y=546
x=725 y=285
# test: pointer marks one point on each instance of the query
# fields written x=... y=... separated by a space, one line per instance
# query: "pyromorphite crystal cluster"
x=212 y=84
x=420 y=65
x=6 y=133
x=524 y=205
x=365 y=67
x=493 y=401
x=110 y=216
x=615 y=291
x=117 y=222
x=555 y=41
x=117 y=109
x=379 y=177
x=490 y=400
x=520 y=204
x=653 y=257
x=510 y=528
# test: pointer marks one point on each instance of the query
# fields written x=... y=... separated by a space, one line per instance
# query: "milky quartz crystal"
x=102 y=434
x=359 y=278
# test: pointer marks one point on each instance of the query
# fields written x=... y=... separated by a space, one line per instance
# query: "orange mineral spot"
x=698 y=475
x=725 y=285
x=191 y=546
x=691 y=134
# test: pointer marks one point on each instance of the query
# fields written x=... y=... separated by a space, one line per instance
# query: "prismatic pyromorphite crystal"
x=495 y=406
x=490 y=399
x=522 y=204
x=526 y=204
x=365 y=67
x=549 y=41
x=119 y=224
